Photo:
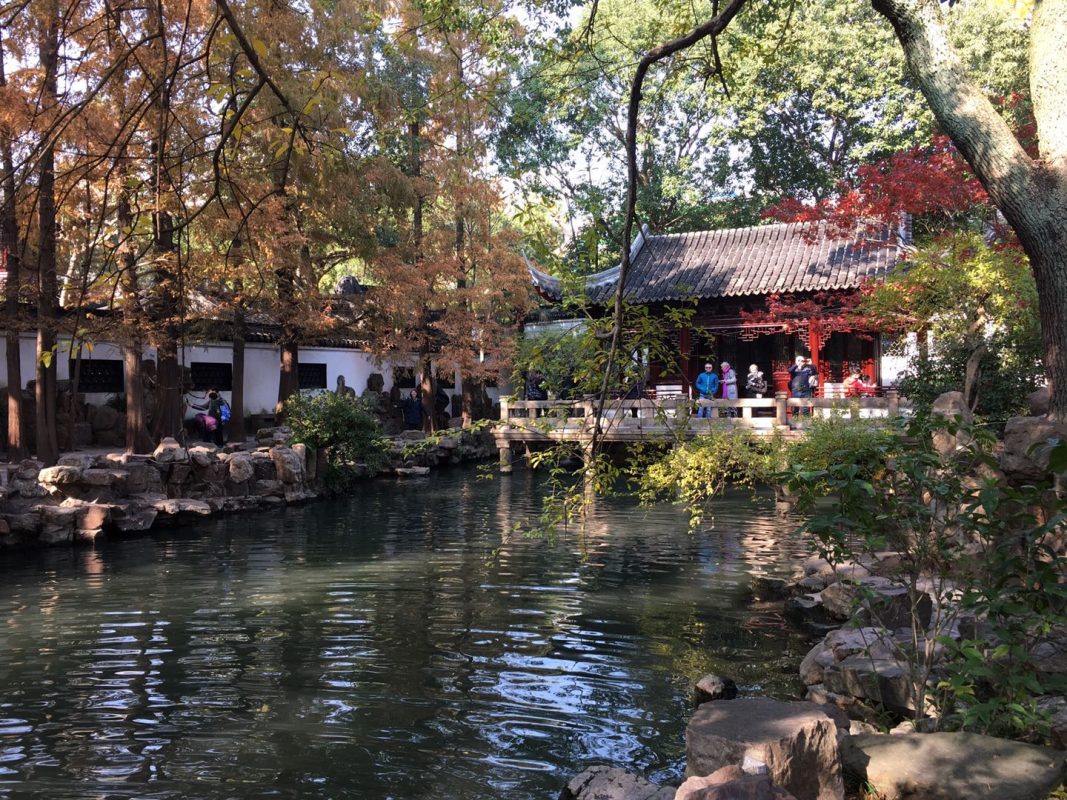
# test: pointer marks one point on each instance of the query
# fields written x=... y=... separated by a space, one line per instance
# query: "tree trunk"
x=1032 y=194
x=9 y=245
x=289 y=375
x=169 y=378
x=429 y=396
x=237 y=392
x=47 y=313
x=137 y=438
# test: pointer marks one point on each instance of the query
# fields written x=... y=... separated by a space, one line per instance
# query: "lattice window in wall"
x=102 y=375
x=312 y=376
x=210 y=375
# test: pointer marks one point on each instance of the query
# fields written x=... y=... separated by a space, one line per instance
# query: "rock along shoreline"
x=87 y=496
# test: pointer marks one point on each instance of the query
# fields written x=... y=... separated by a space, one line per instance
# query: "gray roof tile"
x=793 y=257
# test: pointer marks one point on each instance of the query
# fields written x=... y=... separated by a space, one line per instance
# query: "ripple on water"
x=360 y=647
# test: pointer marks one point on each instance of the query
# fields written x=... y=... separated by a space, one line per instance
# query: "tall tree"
x=47 y=290
x=1030 y=191
x=10 y=246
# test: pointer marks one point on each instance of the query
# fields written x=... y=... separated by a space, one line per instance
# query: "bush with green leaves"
x=695 y=472
x=982 y=550
x=344 y=426
x=864 y=443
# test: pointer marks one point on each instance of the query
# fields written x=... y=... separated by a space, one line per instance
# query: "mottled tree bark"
x=1031 y=193
x=47 y=311
x=9 y=231
x=237 y=391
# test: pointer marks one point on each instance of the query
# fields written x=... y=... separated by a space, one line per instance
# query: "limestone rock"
x=808 y=610
x=60 y=476
x=768 y=588
x=93 y=516
x=270 y=488
x=412 y=472
x=796 y=741
x=105 y=478
x=239 y=468
x=133 y=517
x=951 y=766
x=714 y=687
x=950 y=405
x=1058 y=728
x=288 y=464
x=202 y=455
x=57 y=524
x=1038 y=401
x=613 y=783
x=1023 y=459
x=271 y=437
x=889 y=603
x=29 y=469
x=263 y=467
x=169 y=451
x=731 y=783
x=81 y=460
x=28 y=488
x=182 y=505
x=179 y=473
x=104 y=418
x=880 y=680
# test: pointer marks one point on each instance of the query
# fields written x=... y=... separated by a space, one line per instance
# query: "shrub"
x=976 y=546
x=695 y=472
x=837 y=440
x=344 y=426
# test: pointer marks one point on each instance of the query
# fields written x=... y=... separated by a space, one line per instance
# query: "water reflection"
x=403 y=643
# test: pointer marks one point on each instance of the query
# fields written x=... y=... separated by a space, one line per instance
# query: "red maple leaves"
x=931 y=181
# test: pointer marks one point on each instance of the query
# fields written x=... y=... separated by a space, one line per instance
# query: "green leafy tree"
x=979 y=302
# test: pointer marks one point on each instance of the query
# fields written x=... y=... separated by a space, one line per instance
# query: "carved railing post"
x=781 y=409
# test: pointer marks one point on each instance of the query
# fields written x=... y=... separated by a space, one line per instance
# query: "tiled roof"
x=793 y=257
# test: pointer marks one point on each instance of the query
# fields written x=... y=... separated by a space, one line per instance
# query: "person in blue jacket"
x=707 y=384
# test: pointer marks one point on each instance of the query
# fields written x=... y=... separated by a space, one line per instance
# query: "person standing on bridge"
x=707 y=386
x=801 y=383
x=729 y=386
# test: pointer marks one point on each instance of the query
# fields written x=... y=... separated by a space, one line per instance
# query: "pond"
x=405 y=641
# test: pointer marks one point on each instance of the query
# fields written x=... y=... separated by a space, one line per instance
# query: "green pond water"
x=402 y=642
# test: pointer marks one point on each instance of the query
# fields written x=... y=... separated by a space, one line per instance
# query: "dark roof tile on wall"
x=786 y=257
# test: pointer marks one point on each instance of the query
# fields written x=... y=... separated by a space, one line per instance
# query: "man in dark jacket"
x=800 y=380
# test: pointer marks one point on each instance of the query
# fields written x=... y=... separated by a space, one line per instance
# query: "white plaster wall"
x=261 y=368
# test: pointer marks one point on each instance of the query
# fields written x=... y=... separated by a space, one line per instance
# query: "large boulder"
x=613 y=783
x=886 y=601
x=714 y=687
x=1024 y=457
x=60 y=476
x=731 y=783
x=57 y=524
x=951 y=405
x=1038 y=402
x=796 y=742
x=239 y=468
x=104 y=418
x=952 y=766
x=288 y=463
x=169 y=451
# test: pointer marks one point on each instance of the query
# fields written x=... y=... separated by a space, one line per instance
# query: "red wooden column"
x=814 y=344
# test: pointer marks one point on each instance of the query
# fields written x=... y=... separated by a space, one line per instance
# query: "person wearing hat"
x=707 y=386
x=729 y=386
